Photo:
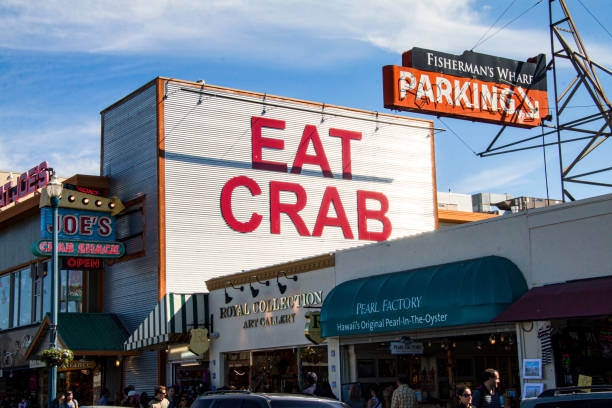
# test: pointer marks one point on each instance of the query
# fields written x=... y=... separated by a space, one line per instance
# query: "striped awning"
x=171 y=320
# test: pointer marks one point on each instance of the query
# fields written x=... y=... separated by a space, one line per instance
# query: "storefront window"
x=46 y=290
x=15 y=281
x=433 y=366
x=192 y=377
x=75 y=291
x=582 y=348
x=71 y=292
x=5 y=299
x=275 y=371
x=25 y=297
x=38 y=274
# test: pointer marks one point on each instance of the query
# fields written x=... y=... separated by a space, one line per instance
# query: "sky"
x=62 y=62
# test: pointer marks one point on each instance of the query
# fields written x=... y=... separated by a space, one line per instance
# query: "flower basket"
x=53 y=357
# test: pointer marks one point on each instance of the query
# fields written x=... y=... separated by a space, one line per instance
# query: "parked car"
x=592 y=396
x=247 y=399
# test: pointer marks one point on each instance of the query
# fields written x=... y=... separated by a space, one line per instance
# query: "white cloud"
x=69 y=149
x=281 y=30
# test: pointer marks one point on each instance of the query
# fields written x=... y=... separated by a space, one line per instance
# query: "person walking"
x=375 y=400
x=311 y=384
x=58 y=402
x=487 y=395
x=159 y=398
x=70 y=402
x=464 y=396
x=133 y=399
x=403 y=396
x=104 y=397
x=354 y=397
x=173 y=396
x=387 y=393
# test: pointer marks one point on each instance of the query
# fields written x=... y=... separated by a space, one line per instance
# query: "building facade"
x=217 y=180
x=25 y=301
x=525 y=294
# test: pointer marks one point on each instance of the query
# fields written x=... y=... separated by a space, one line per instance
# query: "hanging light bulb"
x=492 y=339
x=479 y=345
x=501 y=338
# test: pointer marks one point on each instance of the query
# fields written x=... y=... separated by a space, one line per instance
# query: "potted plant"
x=56 y=357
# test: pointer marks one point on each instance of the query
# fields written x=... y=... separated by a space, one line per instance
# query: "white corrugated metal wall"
x=208 y=141
x=129 y=158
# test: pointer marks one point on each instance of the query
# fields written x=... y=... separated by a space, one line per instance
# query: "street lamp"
x=54 y=191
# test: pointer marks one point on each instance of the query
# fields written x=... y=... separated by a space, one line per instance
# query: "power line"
x=492 y=25
x=593 y=15
x=458 y=137
x=510 y=22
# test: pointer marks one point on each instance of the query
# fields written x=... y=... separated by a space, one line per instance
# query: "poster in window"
x=532 y=368
x=532 y=390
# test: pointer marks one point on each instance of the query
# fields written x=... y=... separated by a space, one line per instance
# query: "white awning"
x=172 y=318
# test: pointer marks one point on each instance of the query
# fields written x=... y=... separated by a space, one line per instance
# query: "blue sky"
x=62 y=62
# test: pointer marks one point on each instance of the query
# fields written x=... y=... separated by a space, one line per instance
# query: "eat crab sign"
x=371 y=205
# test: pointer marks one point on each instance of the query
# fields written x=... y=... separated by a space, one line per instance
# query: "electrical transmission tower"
x=595 y=127
x=578 y=136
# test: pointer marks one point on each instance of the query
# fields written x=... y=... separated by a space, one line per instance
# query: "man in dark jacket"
x=486 y=395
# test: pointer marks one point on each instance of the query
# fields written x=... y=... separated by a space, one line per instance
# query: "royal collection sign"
x=290 y=304
x=470 y=86
x=96 y=249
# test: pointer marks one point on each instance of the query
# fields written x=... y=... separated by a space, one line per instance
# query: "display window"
x=192 y=378
x=582 y=351
x=80 y=382
x=71 y=291
x=433 y=366
x=279 y=370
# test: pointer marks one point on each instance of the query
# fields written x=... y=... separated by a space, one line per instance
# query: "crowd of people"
x=485 y=395
x=376 y=396
x=162 y=397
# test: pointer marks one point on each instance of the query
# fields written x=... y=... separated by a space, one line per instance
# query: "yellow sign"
x=198 y=341
x=584 y=380
x=312 y=330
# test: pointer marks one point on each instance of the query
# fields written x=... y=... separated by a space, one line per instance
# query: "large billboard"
x=251 y=180
x=470 y=86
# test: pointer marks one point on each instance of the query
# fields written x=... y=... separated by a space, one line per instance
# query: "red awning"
x=580 y=298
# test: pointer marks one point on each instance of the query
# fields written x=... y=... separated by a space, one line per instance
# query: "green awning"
x=83 y=333
x=170 y=321
x=459 y=293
